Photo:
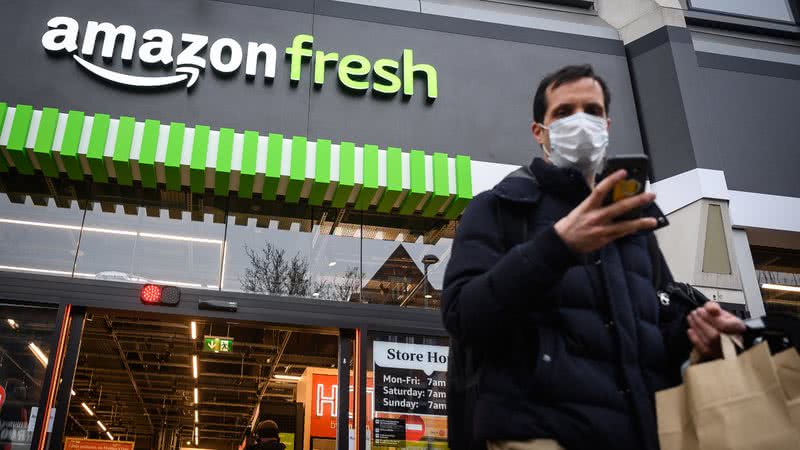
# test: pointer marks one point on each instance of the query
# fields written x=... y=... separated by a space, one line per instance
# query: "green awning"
x=125 y=150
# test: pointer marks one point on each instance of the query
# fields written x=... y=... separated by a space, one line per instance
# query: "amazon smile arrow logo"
x=182 y=75
x=155 y=50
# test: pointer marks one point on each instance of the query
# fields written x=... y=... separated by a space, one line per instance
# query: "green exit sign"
x=217 y=344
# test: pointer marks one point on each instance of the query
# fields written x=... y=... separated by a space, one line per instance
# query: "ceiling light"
x=110 y=231
x=332 y=263
x=780 y=287
x=286 y=377
x=41 y=224
x=109 y=435
x=194 y=366
x=194 y=330
x=188 y=442
x=173 y=237
x=73 y=392
x=196 y=396
x=196 y=436
x=13 y=324
x=428 y=296
x=102 y=427
x=38 y=353
x=87 y=409
x=196 y=416
x=315 y=294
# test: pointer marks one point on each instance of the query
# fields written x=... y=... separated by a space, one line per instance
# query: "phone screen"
x=632 y=185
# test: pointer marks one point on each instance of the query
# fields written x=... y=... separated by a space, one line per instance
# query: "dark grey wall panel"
x=748 y=65
x=486 y=88
x=700 y=110
x=754 y=122
x=661 y=108
x=672 y=102
x=485 y=83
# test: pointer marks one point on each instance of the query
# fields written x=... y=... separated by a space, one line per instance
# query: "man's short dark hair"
x=562 y=76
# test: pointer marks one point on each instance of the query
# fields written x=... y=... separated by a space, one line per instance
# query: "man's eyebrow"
x=595 y=103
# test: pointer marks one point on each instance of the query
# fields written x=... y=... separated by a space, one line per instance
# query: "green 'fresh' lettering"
x=352 y=69
x=410 y=70
x=385 y=71
x=320 y=64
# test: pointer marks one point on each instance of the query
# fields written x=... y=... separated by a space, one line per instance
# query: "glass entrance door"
x=147 y=381
x=26 y=334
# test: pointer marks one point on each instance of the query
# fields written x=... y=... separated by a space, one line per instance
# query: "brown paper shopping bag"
x=787 y=364
x=733 y=403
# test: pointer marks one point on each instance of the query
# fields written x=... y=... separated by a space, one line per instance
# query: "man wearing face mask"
x=554 y=299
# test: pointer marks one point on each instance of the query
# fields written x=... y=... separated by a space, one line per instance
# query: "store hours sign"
x=410 y=378
x=225 y=56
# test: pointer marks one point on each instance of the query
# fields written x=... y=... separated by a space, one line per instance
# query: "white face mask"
x=579 y=141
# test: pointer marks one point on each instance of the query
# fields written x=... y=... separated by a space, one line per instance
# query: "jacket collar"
x=568 y=184
x=525 y=184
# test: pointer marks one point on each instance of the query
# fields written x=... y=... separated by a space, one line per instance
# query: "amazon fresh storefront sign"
x=227 y=56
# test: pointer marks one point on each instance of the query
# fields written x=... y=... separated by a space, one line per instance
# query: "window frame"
x=588 y=5
x=794 y=6
x=742 y=23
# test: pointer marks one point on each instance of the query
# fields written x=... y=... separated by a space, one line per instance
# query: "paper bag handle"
x=729 y=343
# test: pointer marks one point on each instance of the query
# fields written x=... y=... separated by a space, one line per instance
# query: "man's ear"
x=608 y=122
x=538 y=132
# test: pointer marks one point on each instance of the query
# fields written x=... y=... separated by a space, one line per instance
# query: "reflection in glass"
x=299 y=257
x=778 y=272
x=395 y=263
x=25 y=333
x=38 y=239
x=151 y=244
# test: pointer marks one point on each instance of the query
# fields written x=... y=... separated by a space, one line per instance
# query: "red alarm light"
x=151 y=294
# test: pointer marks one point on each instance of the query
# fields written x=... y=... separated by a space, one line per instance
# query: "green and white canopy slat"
x=199 y=158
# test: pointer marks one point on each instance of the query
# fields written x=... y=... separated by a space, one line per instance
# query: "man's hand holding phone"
x=591 y=225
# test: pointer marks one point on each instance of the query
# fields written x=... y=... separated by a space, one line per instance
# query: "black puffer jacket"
x=572 y=347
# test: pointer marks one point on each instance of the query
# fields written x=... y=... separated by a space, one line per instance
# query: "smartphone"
x=632 y=185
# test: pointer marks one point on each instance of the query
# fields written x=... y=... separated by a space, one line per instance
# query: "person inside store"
x=553 y=296
x=267 y=437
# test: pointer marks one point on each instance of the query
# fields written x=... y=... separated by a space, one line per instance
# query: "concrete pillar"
x=634 y=19
x=752 y=290
x=700 y=249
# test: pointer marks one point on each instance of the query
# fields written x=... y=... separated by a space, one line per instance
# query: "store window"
x=312 y=253
x=26 y=333
x=177 y=246
x=38 y=237
x=776 y=10
x=230 y=244
x=404 y=263
x=778 y=272
x=407 y=405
